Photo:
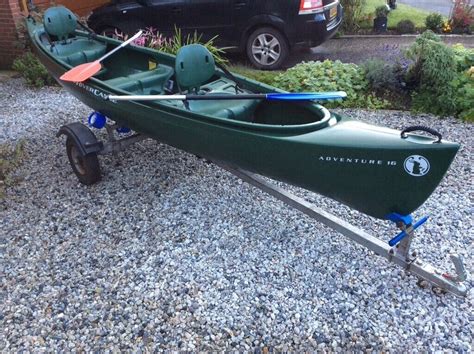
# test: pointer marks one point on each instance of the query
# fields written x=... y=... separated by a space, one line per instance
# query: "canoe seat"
x=60 y=25
x=194 y=68
x=242 y=111
x=77 y=50
x=145 y=82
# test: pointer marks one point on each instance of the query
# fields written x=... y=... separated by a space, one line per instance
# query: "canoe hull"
x=368 y=168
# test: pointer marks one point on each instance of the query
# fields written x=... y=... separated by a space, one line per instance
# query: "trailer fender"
x=84 y=138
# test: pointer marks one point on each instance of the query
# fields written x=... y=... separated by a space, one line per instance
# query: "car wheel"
x=267 y=48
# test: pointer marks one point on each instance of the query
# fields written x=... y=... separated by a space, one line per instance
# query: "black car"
x=265 y=29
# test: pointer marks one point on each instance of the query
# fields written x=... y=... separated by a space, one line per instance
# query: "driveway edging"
x=350 y=36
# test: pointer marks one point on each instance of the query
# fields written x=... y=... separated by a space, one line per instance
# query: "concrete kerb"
x=372 y=36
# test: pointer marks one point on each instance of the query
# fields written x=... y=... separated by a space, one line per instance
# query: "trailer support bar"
x=424 y=271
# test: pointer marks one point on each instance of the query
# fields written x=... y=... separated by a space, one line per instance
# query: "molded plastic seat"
x=146 y=82
x=194 y=67
x=60 y=24
x=78 y=50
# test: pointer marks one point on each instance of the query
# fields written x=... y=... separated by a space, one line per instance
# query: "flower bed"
x=429 y=77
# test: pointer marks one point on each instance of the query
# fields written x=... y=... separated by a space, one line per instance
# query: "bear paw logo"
x=417 y=165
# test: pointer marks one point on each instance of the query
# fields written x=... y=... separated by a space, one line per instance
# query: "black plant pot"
x=380 y=24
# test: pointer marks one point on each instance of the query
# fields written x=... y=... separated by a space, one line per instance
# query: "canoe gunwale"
x=327 y=119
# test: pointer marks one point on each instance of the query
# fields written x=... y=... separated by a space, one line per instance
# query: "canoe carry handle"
x=422 y=128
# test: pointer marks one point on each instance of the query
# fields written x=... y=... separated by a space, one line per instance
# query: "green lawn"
x=259 y=75
x=402 y=12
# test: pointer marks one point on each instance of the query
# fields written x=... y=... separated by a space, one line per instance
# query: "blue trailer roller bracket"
x=408 y=229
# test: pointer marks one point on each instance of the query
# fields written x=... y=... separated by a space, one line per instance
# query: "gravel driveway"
x=170 y=252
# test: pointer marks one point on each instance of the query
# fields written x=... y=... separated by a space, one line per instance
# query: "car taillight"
x=309 y=6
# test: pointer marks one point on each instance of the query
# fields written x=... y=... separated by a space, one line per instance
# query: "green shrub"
x=434 y=22
x=151 y=38
x=32 y=70
x=11 y=156
x=429 y=35
x=352 y=13
x=406 y=26
x=464 y=57
x=178 y=41
x=464 y=95
x=431 y=74
x=330 y=76
x=442 y=77
x=381 y=75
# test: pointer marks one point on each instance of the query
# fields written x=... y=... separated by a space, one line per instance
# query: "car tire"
x=267 y=48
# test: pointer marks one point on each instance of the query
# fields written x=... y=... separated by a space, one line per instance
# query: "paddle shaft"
x=187 y=97
x=225 y=97
x=85 y=71
x=127 y=42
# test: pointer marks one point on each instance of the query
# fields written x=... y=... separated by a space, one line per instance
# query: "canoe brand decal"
x=417 y=165
x=92 y=90
x=357 y=161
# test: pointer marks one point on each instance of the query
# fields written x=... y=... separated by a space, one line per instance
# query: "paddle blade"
x=82 y=72
x=306 y=96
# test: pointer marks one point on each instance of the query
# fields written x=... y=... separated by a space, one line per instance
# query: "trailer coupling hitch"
x=461 y=273
x=401 y=248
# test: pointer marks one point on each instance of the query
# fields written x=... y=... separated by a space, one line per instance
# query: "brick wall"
x=10 y=15
x=82 y=7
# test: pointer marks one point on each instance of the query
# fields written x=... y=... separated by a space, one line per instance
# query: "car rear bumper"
x=314 y=29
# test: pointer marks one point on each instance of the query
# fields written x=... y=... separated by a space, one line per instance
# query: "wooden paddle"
x=85 y=71
x=304 y=96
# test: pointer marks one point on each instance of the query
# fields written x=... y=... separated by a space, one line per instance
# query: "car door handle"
x=176 y=10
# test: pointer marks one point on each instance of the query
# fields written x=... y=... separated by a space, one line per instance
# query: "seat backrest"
x=59 y=22
x=194 y=66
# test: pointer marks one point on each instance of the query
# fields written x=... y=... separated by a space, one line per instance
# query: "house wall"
x=82 y=7
x=9 y=50
x=10 y=16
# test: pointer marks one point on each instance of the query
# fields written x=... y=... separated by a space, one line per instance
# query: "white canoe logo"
x=417 y=165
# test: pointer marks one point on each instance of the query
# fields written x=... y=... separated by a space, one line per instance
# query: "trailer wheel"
x=86 y=167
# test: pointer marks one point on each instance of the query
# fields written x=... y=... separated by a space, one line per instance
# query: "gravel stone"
x=169 y=252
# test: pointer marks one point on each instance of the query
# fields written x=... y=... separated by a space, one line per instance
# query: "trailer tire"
x=85 y=167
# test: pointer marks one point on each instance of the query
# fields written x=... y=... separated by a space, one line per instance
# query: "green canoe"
x=372 y=169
